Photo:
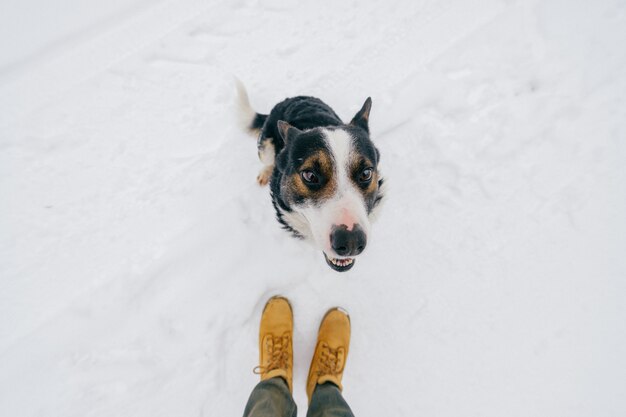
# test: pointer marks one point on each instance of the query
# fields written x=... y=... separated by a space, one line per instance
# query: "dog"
x=323 y=174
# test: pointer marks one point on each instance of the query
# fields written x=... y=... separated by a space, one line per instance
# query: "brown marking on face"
x=373 y=187
x=357 y=164
x=321 y=164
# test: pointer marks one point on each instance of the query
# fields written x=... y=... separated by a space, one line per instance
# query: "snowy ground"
x=137 y=251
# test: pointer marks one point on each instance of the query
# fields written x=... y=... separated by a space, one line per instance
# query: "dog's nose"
x=347 y=242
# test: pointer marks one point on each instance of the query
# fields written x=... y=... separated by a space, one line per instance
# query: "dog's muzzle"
x=346 y=243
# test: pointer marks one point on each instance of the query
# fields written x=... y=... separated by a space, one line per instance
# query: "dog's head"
x=331 y=183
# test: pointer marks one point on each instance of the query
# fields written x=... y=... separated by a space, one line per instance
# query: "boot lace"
x=331 y=361
x=277 y=353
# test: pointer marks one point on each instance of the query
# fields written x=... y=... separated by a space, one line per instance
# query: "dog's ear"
x=361 y=119
x=286 y=131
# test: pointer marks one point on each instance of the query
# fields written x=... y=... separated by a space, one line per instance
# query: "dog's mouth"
x=339 y=265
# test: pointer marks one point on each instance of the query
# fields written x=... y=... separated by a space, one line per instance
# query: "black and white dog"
x=323 y=173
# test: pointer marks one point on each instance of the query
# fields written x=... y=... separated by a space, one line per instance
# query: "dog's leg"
x=267 y=155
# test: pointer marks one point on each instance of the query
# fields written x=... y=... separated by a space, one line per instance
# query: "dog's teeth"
x=341 y=262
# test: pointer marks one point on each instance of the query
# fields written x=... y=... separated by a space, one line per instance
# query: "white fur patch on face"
x=346 y=206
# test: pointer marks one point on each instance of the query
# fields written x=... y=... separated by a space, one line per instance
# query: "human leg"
x=271 y=398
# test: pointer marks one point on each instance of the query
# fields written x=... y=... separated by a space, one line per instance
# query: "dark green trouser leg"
x=271 y=398
x=328 y=402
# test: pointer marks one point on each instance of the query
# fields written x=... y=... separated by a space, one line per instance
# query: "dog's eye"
x=309 y=177
x=366 y=175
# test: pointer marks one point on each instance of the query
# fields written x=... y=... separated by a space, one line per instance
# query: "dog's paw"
x=264 y=176
x=262 y=179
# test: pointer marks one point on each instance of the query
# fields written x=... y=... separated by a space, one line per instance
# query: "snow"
x=137 y=251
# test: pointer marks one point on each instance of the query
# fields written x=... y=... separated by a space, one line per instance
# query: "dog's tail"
x=249 y=120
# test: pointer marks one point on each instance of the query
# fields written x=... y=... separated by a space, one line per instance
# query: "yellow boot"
x=275 y=345
x=331 y=351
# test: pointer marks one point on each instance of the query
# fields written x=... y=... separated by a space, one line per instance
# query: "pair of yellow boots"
x=276 y=348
